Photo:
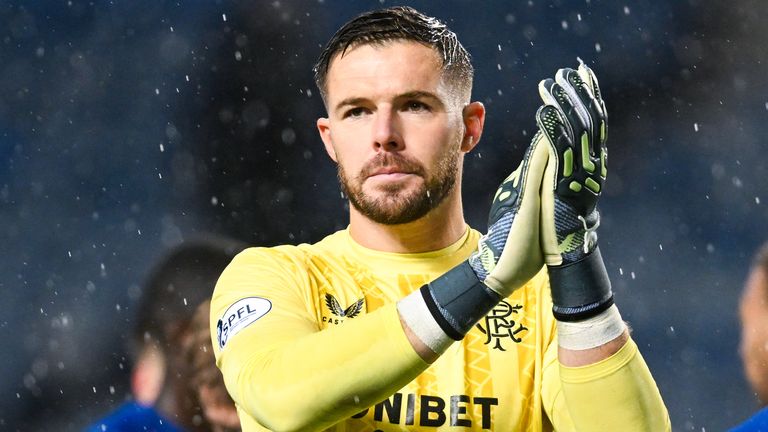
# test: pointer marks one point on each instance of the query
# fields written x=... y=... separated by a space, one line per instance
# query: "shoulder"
x=332 y=244
x=293 y=256
x=284 y=269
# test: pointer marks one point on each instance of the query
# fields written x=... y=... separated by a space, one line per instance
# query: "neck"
x=439 y=228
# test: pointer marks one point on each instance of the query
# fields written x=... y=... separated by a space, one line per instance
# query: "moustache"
x=388 y=161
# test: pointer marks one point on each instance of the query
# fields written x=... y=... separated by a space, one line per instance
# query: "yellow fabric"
x=305 y=366
x=611 y=386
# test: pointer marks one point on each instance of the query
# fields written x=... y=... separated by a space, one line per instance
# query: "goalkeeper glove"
x=509 y=254
x=574 y=120
x=507 y=257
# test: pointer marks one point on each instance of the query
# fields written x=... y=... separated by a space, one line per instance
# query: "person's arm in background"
x=599 y=381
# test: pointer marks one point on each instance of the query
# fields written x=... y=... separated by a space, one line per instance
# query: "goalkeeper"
x=410 y=320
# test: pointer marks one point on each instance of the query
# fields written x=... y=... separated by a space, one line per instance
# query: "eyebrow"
x=415 y=94
x=349 y=101
x=418 y=94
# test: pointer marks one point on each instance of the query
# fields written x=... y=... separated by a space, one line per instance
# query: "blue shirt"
x=756 y=423
x=131 y=417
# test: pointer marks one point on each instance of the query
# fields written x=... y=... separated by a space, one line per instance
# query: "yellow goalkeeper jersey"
x=308 y=338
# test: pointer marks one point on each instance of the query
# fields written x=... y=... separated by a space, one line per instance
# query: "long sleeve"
x=284 y=372
x=617 y=393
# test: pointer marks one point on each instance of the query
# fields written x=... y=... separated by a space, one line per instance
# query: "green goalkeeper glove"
x=507 y=257
x=574 y=119
x=509 y=254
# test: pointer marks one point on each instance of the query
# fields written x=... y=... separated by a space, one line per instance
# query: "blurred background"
x=128 y=127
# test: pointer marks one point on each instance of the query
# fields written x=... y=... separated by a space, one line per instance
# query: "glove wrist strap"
x=580 y=290
x=457 y=300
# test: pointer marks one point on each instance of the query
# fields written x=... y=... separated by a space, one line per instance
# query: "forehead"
x=382 y=67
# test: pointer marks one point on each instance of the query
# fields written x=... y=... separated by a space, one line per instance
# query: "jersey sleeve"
x=617 y=393
x=276 y=360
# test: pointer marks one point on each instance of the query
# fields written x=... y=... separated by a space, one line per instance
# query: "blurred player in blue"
x=163 y=400
x=754 y=338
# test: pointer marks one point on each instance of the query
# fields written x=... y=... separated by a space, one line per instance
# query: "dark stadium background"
x=126 y=127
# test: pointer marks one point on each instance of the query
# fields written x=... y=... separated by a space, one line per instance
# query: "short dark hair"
x=398 y=23
x=181 y=280
x=199 y=357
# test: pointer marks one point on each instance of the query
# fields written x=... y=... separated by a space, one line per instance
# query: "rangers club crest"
x=500 y=324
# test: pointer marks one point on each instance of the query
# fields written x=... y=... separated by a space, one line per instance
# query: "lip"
x=390 y=172
x=390 y=176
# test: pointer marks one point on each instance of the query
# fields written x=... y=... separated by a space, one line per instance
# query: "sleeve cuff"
x=601 y=369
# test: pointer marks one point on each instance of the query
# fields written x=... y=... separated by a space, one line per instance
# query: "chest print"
x=338 y=313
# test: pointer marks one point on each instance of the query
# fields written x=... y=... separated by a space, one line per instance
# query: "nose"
x=386 y=132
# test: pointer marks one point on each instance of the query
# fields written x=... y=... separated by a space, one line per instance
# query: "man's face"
x=394 y=128
x=754 y=332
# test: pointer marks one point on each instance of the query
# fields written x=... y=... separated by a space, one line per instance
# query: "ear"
x=148 y=376
x=474 y=120
x=324 y=128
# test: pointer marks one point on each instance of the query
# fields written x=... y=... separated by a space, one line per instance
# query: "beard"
x=396 y=203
